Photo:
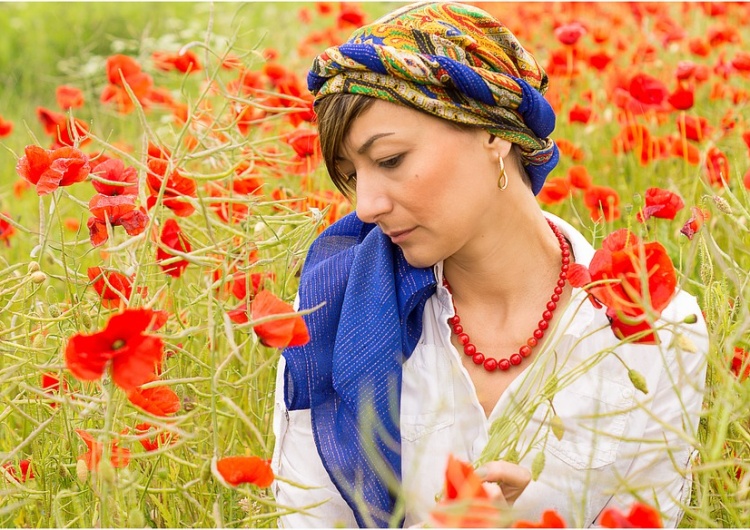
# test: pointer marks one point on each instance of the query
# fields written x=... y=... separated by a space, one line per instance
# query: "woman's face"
x=429 y=186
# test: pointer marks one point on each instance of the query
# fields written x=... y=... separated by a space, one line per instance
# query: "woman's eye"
x=390 y=163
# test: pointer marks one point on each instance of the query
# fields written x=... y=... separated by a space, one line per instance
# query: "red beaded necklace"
x=490 y=363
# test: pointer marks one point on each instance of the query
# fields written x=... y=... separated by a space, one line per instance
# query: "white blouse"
x=618 y=444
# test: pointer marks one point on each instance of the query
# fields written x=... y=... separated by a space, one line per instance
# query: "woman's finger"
x=511 y=478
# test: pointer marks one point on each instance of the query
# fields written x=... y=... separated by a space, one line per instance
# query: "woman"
x=430 y=332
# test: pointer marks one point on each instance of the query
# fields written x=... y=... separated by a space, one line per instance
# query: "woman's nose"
x=372 y=200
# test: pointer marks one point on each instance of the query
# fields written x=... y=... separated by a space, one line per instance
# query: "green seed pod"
x=556 y=424
x=691 y=319
x=707 y=267
x=39 y=341
x=33 y=266
x=206 y=471
x=86 y=320
x=639 y=382
x=54 y=311
x=512 y=456
x=537 y=466
x=38 y=277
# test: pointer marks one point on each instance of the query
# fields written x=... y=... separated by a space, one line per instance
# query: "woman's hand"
x=503 y=480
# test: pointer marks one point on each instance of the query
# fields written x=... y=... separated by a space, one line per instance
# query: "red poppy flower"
x=51 y=384
x=637 y=138
x=640 y=516
x=58 y=126
x=186 y=62
x=746 y=179
x=467 y=502
x=236 y=470
x=579 y=177
x=289 y=331
x=122 y=180
x=579 y=114
x=122 y=70
x=694 y=128
x=648 y=90
x=157 y=400
x=682 y=98
x=619 y=266
x=6 y=127
x=124 y=345
x=694 y=224
x=176 y=188
x=21 y=473
x=554 y=191
x=603 y=203
x=688 y=152
x=119 y=457
x=113 y=287
x=570 y=34
x=172 y=238
x=660 y=203
x=69 y=97
x=50 y=169
x=741 y=364
x=717 y=167
x=599 y=60
x=699 y=47
x=351 y=15
x=6 y=229
x=119 y=210
x=162 y=439
x=550 y=519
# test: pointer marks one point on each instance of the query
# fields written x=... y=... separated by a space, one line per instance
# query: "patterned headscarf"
x=453 y=61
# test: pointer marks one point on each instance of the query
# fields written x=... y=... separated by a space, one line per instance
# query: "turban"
x=453 y=61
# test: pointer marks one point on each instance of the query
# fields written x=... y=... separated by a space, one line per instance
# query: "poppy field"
x=161 y=181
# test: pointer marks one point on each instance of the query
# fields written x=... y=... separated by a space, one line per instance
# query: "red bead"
x=538 y=334
x=490 y=364
x=555 y=297
x=470 y=349
x=525 y=351
x=532 y=342
x=563 y=276
x=464 y=339
x=566 y=265
x=551 y=306
x=547 y=315
x=458 y=329
x=478 y=358
x=454 y=320
x=543 y=325
x=561 y=283
x=565 y=253
x=558 y=290
x=503 y=364
x=515 y=359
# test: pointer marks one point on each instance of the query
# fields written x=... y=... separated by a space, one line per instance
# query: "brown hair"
x=335 y=114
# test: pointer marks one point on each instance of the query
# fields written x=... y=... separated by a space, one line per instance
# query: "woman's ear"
x=497 y=146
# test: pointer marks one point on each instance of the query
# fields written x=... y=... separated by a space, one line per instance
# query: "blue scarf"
x=349 y=374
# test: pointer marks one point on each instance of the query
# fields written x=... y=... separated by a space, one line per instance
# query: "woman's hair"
x=335 y=115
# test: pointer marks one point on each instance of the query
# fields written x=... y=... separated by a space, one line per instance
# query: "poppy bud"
x=136 y=518
x=691 y=319
x=537 y=466
x=33 y=266
x=685 y=344
x=707 y=268
x=106 y=472
x=39 y=341
x=82 y=471
x=86 y=320
x=38 y=277
x=54 y=311
x=206 y=471
x=722 y=204
x=556 y=424
x=639 y=382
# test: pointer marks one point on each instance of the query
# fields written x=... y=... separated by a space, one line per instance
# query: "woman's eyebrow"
x=365 y=146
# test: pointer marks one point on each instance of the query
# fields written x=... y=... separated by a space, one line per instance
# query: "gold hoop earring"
x=502 y=181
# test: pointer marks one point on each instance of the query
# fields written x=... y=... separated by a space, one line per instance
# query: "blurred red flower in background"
x=112 y=287
x=69 y=97
x=550 y=519
x=125 y=71
x=236 y=470
x=124 y=345
x=6 y=229
x=176 y=187
x=640 y=516
x=6 y=127
x=569 y=34
x=603 y=203
x=186 y=62
x=61 y=130
x=118 y=210
x=50 y=169
x=173 y=239
x=119 y=457
x=157 y=400
x=660 y=203
x=22 y=472
x=162 y=439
